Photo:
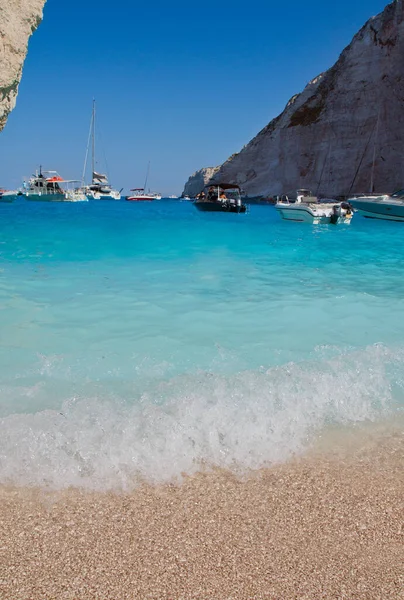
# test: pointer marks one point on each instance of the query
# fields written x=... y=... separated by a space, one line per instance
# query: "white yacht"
x=386 y=207
x=307 y=209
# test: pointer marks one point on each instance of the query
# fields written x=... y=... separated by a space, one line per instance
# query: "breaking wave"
x=243 y=421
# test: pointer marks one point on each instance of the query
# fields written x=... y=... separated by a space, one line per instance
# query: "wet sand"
x=317 y=528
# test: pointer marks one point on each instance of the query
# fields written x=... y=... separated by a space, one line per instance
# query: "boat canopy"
x=55 y=179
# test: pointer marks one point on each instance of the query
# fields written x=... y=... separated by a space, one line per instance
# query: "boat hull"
x=219 y=207
x=383 y=210
x=45 y=197
x=141 y=198
x=100 y=196
x=302 y=213
x=8 y=198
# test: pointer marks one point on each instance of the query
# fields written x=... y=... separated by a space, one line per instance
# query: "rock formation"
x=198 y=180
x=345 y=132
x=18 y=20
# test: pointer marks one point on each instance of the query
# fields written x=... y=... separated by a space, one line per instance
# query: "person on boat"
x=212 y=194
x=223 y=196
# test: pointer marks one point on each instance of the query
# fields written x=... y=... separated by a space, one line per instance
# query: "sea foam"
x=242 y=421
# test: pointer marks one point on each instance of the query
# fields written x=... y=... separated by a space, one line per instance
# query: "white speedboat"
x=307 y=209
x=386 y=207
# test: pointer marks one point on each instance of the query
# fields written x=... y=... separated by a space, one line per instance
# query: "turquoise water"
x=146 y=338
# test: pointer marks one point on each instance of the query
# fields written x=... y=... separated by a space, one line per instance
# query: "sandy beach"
x=315 y=528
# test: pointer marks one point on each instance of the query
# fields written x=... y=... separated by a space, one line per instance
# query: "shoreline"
x=322 y=526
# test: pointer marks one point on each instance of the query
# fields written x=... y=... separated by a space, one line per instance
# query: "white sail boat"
x=99 y=189
x=140 y=194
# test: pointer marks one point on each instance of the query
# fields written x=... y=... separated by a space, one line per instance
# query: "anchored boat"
x=49 y=186
x=386 y=207
x=220 y=197
x=7 y=195
x=307 y=209
x=99 y=189
x=140 y=194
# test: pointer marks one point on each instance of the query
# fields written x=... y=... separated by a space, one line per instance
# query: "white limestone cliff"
x=18 y=20
x=198 y=180
x=346 y=121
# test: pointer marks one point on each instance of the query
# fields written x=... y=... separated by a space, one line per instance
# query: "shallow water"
x=146 y=338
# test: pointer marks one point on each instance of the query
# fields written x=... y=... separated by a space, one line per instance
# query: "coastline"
x=328 y=525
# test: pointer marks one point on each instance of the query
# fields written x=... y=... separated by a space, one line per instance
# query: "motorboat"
x=389 y=207
x=306 y=208
x=140 y=195
x=220 y=197
x=49 y=186
x=8 y=195
x=44 y=186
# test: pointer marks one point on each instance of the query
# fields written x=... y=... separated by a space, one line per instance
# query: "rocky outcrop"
x=18 y=20
x=344 y=132
x=198 y=180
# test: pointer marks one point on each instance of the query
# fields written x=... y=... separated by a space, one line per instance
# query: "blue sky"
x=180 y=84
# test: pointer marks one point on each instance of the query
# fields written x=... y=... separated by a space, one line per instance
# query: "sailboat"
x=99 y=189
x=140 y=194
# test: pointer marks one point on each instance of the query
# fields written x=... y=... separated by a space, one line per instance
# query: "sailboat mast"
x=372 y=176
x=147 y=176
x=83 y=178
x=93 y=143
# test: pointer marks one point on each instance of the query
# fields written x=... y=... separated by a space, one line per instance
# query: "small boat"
x=307 y=209
x=8 y=195
x=388 y=207
x=140 y=195
x=220 y=197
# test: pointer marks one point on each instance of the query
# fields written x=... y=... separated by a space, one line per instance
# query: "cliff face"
x=198 y=180
x=18 y=20
x=345 y=120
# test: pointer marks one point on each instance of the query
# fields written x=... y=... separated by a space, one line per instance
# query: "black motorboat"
x=220 y=197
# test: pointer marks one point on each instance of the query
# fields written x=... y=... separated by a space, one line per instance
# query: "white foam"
x=246 y=420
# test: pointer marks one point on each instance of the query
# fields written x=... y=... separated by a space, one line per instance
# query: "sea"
x=146 y=341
